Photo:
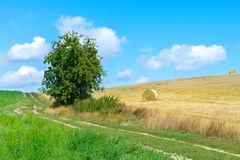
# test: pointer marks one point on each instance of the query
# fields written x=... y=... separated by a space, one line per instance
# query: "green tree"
x=74 y=69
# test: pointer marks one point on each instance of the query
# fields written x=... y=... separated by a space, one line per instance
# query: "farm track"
x=35 y=110
x=24 y=95
x=173 y=155
x=19 y=111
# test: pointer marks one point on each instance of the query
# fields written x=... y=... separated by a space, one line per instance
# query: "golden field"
x=200 y=104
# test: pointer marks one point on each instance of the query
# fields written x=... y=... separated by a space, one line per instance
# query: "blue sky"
x=140 y=40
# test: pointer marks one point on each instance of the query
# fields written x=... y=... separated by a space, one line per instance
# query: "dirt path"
x=172 y=155
x=32 y=96
x=19 y=111
x=24 y=94
x=168 y=139
x=177 y=157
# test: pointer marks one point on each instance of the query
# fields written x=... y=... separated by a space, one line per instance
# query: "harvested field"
x=204 y=100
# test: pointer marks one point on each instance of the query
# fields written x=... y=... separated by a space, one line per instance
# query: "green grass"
x=9 y=99
x=187 y=150
x=34 y=138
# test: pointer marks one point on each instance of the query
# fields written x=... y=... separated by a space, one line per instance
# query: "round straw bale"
x=232 y=72
x=150 y=95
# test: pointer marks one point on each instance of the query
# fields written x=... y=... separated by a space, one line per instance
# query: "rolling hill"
x=209 y=97
x=207 y=109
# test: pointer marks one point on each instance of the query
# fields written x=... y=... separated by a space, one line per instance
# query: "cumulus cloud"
x=37 y=49
x=152 y=63
x=186 y=57
x=143 y=79
x=24 y=76
x=106 y=39
x=125 y=75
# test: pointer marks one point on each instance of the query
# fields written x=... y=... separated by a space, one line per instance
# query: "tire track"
x=24 y=95
x=20 y=112
x=174 y=156
x=145 y=134
x=168 y=139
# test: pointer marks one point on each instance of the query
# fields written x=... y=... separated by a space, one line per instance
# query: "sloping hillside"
x=210 y=97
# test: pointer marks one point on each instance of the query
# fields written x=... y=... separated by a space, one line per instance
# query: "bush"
x=104 y=105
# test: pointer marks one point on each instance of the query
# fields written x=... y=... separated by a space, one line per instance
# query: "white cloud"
x=187 y=57
x=37 y=49
x=152 y=63
x=24 y=76
x=125 y=74
x=106 y=39
x=143 y=79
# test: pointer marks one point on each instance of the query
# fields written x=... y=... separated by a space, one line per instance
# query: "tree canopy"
x=74 y=69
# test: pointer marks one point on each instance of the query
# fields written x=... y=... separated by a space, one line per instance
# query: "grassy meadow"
x=34 y=138
x=30 y=137
x=10 y=99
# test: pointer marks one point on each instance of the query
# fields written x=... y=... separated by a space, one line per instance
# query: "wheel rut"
x=172 y=155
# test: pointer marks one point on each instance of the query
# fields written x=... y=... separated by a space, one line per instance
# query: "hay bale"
x=150 y=95
x=233 y=72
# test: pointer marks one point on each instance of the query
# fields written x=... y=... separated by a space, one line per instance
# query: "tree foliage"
x=74 y=69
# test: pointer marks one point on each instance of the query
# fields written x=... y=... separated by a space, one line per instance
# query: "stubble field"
x=209 y=105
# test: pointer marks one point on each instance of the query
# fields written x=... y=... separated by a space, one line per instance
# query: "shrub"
x=105 y=105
